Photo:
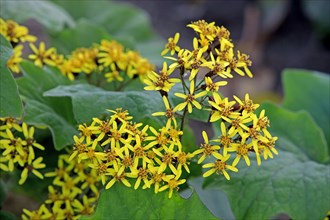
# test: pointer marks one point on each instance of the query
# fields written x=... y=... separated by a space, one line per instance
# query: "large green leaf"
x=10 y=102
x=38 y=113
x=119 y=19
x=36 y=81
x=289 y=183
x=121 y=202
x=54 y=18
x=89 y=101
x=309 y=90
x=300 y=133
x=54 y=112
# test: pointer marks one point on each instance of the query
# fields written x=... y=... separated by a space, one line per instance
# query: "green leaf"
x=188 y=139
x=214 y=199
x=119 y=19
x=310 y=91
x=291 y=181
x=5 y=215
x=89 y=101
x=301 y=134
x=53 y=17
x=11 y=104
x=54 y=112
x=38 y=113
x=37 y=80
x=120 y=202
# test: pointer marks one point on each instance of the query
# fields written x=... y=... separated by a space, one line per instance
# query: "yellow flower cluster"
x=109 y=58
x=17 y=146
x=73 y=192
x=213 y=59
x=14 y=32
x=121 y=150
x=242 y=132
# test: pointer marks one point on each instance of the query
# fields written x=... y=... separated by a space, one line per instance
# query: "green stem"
x=184 y=85
x=123 y=84
x=182 y=120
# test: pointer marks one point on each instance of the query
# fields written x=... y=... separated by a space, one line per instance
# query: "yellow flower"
x=268 y=148
x=242 y=150
x=139 y=152
x=142 y=175
x=183 y=160
x=222 y=32
x=32 y=167
x=118 y=174
x=15 y=33
x=110 y=52
x=114 y=74
x=86 y=207
x=70 y=185
x=156 y=177
x=116 y=136
x=190 y=99
x=3 y=166
x=207 y=149
x=142 y=68
x=262 y=123
x=159 y=138
x=197 y=60
x=223 y=109
x=173 y=182
x=247 y=105
x=182 y=59
x=218 y=67
x=166 y=159
x=120 y=114
x=9 y=123
x=101 y=170
x=219 y=166
x=161 y=81
x=85 y=59
x=175 y=135
x=208 y=30
x=61 y=171
x=169 y=113
x=102 y=127
x=213 y=86
x=254 y=133
x=41 y=213
x=42 y=56
x=172 y=45
x=69 y=69
x=28 y=134
x=237 y=123
x=15 y=59
x=242 y=62
x=87 y=131
x=225 y=138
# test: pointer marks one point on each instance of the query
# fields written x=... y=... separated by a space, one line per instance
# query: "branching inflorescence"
x=118 y=149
